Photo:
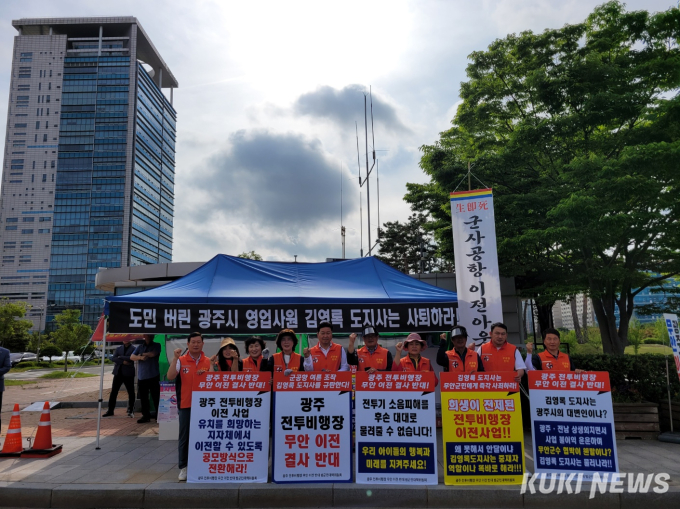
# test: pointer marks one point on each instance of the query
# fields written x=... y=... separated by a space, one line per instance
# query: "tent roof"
x=230 y=280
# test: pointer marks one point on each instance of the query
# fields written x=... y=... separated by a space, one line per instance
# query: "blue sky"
x=269 y=93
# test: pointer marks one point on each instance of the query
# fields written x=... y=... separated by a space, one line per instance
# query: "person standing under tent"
x=499 y=355
x=551 y=359
x=326 y=355
x=414 y=361
x=255 y=361
x=227 y=357
x=286 y=361
x=123 y=374
x=147 y=356
x=459 y=359
x=185 y=368
x=371 y=357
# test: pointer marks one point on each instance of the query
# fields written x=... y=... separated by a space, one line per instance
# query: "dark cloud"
x=280 y=180
x=345 y=106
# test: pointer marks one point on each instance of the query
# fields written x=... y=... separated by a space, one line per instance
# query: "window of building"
x=28 y=219
x=44 y=230
x=26 y=231
x=10 y=227
x=12 y=220
x=44 y=179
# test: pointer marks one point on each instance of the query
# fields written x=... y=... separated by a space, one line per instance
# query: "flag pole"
x=101 y=383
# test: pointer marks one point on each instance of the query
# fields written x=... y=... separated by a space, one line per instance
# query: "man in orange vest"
x=499 y=355
x=551 y=359
x=326 y=355
x=414 y=361
x=193 y=363
x=460 y=359
x=371 y=357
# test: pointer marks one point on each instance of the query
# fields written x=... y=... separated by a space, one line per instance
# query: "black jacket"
x=123 y=354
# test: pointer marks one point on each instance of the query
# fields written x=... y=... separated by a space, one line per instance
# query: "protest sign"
x=674 y=338
x=167 y=405
x=482 y=428
x=312 y=427
x=229 y=433
x=572 y=421
x=395 y=428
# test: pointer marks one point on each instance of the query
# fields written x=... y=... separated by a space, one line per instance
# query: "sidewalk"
x=141 y=471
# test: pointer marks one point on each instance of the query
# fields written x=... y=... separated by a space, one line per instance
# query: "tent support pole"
x=101 y=385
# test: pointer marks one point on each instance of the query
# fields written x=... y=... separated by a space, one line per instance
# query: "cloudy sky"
x=269 y=93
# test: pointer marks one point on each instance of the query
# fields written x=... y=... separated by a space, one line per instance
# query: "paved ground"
x=37 y=373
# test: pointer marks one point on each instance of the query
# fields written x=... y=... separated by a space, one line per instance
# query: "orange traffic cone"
x=13 y=441
x=42 y=445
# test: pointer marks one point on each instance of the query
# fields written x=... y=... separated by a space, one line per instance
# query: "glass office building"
x=104 y=158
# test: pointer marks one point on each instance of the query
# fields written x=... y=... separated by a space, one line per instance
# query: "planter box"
x=664 y=415
x=636 y=421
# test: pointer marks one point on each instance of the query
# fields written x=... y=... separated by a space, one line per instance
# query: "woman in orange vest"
x=414 y=361
x=459 y=359
x=286 y=361
x=254 y=362
x=551 y=359
x=227 y=357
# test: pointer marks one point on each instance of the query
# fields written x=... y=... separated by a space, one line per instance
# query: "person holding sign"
x=193 y=363
x=227 y=357
x=460 y=359
x=254 y=362
x=499 y=355
x=414 y=345
x=551 y=358
x=286 y=361
x=326 y=355
x=371 y=357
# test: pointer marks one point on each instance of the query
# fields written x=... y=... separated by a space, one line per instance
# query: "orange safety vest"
x=498 y=359
x=330 y=362
x=456 y=364
x=549 y=362
x=280 y=364
x=250 y=365
x=187 y=369
x=407 y=365
x=377 y=359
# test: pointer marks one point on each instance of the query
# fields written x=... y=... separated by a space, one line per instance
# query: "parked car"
x=71 y=357
x=16 y=358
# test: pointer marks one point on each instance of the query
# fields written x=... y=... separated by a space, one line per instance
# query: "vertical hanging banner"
x=572 y=423
x=229 y=433
x=396 y=428
x=674 y=337
x=474 y=247
x=482 y=429
x=167 y=405
x=312 y=427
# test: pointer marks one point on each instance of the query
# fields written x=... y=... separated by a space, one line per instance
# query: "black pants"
x=150 y=386
x=1 y=409
x=129 y=382
x=183 y=442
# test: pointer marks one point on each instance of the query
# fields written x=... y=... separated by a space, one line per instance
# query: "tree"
x=36 y=341
x=13 y=327
x=577 y=130
x=70 y=334
x=50 y=350
x=251 y=255
x=401 y=245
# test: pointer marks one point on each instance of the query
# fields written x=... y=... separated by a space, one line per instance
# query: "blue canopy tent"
x=236 y=295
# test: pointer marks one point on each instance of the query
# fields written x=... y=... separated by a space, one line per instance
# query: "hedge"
x=634 y=378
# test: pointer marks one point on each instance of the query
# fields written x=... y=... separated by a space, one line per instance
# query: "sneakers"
x=182 y=474
x=130 y=413
x=108 y=414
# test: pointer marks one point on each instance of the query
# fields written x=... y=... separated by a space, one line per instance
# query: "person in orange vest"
x=460 y=359
x=326 y=355
x=185 y=368
x=227 y=357
x=551 y=359
x=255 y=361
x=286 y=361
x=499 y=355
x=371 y=357
x=414 y=361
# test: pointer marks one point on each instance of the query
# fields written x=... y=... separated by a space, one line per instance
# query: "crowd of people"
x=497 y=355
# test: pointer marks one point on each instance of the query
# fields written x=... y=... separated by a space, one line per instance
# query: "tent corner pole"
x=101 y=386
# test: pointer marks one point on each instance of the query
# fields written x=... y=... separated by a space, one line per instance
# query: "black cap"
x=369 y=330
x=458 y=331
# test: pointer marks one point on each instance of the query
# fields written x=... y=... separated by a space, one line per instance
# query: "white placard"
x=474 y=247
x=229 y=437
x=312 y=427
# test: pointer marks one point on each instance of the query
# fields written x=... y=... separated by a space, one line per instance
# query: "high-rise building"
x=89 y=163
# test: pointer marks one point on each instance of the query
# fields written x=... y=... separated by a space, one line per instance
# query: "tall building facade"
x=89 y=162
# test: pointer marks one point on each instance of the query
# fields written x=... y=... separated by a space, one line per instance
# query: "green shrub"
x=633 y=378
x=654 y=341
